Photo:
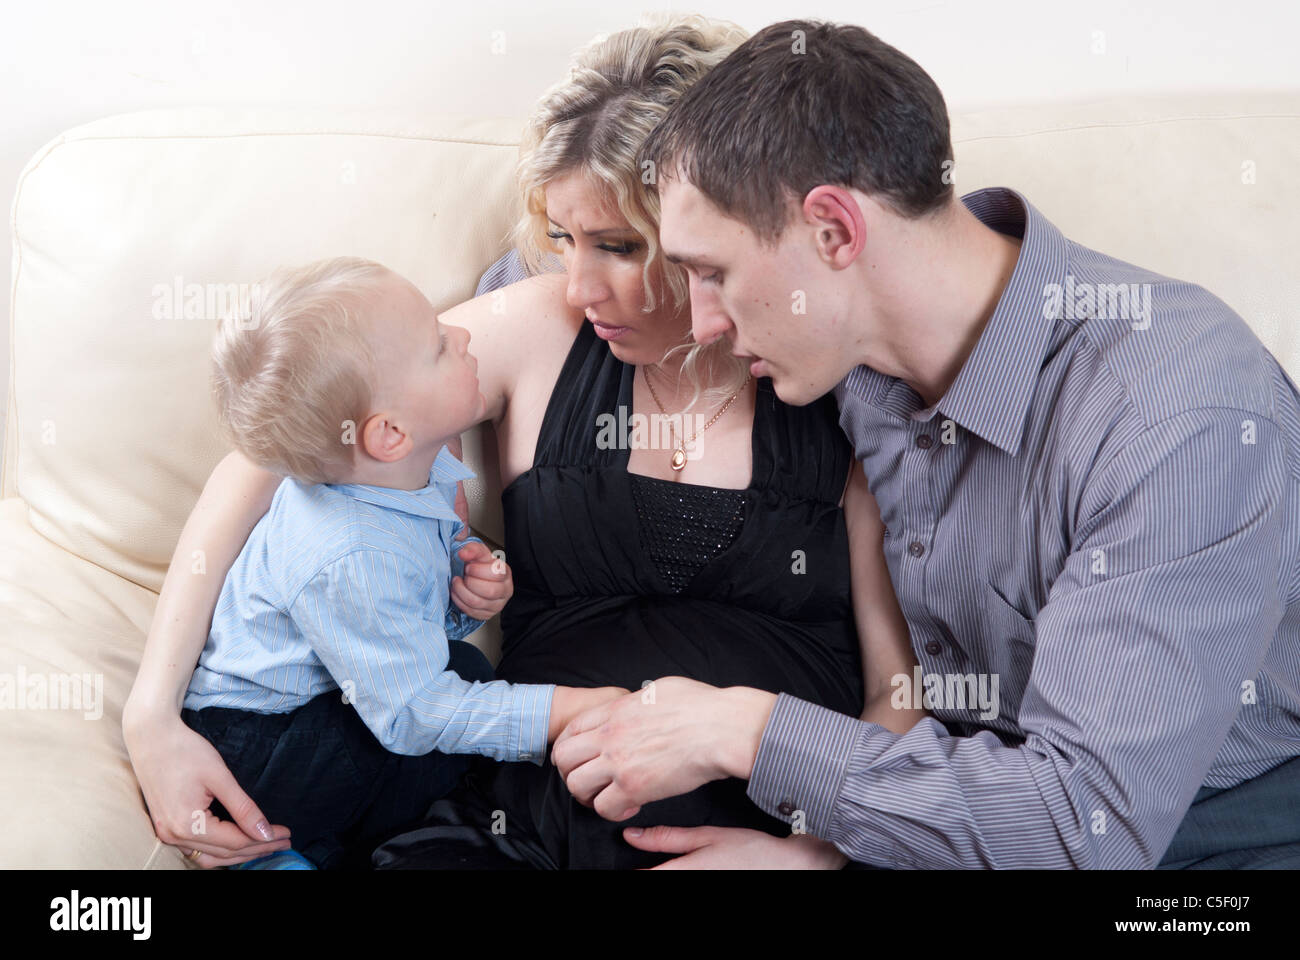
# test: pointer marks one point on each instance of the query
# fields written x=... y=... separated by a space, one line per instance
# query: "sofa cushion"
x=69 y=648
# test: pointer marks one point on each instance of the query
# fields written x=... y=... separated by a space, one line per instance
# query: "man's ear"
x=384 y=439
x=841 y=230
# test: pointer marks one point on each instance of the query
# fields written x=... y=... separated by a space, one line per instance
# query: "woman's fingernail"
x=264 y=829
x=635 y=832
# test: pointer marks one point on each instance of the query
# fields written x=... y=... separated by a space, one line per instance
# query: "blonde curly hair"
x=593 y=122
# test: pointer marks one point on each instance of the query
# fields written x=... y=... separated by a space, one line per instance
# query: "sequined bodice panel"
x=684 y=526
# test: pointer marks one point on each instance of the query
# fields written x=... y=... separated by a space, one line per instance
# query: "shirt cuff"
x=801 y=762
x=454 y=548
x=457 y=624
x=532 y=714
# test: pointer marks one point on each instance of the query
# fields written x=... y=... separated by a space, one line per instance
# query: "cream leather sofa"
x=110 y=433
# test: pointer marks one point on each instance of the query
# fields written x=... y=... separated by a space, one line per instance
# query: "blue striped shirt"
x=1095 y=538
x=346 y=586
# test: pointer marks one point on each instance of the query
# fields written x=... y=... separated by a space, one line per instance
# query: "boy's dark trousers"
x=320 y=771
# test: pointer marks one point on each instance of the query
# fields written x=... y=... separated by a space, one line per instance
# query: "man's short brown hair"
x=803 y=103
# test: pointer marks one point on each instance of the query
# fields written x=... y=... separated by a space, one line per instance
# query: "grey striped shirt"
x=1095 y=539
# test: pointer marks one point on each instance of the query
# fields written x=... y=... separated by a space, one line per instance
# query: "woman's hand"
x=662 y=741
x=735 y=848
x=178 y=770
x=180 y=774
x=487 y=584
x=461 y=503
x=883 y=633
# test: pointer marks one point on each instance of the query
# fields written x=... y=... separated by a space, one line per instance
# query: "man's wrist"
x=749 y=710
x=822 y=854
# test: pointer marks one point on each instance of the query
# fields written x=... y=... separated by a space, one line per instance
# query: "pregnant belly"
x=626 y=641
x=629 y=641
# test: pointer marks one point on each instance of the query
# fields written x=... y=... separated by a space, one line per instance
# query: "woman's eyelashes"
x=620 y=249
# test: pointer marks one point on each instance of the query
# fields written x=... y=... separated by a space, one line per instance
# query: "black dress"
x=621 y=579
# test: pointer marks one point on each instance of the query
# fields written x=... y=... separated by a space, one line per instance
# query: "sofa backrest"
x=1197 y=188
x=129 y=231
x=130 y=234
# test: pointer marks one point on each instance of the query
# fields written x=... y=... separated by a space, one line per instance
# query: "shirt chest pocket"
x=439 y=610
x=1007 y=651
x=424 y=598
x=433 y=593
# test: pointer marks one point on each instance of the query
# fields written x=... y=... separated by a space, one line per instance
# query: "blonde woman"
x=733 y=542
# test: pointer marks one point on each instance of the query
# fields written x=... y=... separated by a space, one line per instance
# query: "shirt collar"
x=434 y=500
x=993 y=390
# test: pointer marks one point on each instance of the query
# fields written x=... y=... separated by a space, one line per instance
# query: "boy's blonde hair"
x=293 y=380
x=618 y=89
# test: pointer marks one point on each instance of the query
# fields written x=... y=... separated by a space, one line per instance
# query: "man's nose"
x=708 y=320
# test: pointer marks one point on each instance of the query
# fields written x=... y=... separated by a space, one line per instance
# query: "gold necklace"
x=678 y=461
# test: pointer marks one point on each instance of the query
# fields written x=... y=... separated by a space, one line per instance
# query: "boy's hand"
x=570 y=702
x=487 y=584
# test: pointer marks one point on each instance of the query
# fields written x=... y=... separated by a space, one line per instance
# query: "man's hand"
x=734 y=848
x=487 y=584
x=664 y=740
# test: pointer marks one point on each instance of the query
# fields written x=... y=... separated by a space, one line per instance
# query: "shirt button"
x=924 y=441
x=933 y=647
x=916 y=548
x=785 y=808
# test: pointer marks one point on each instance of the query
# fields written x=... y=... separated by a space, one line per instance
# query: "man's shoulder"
x=1169 y=346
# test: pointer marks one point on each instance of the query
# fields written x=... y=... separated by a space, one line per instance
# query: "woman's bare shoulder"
x=527 y=304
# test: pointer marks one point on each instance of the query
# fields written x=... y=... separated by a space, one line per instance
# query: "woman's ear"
x=384 y=439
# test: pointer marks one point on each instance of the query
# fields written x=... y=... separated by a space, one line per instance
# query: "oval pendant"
x=679 y=459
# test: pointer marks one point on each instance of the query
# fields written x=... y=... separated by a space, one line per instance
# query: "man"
x=1088 y=475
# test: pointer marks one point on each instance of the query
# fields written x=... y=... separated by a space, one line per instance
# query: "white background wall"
x=65 y=62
